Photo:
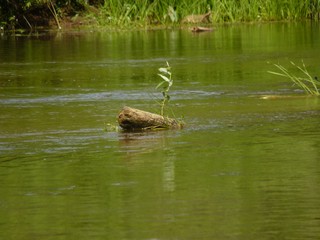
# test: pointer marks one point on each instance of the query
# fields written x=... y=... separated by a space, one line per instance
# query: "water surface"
x=242 y=168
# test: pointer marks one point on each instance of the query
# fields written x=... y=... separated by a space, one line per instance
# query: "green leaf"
x=159 y=85
x=172 y=14
x=163 y=70
x=165 y=78
x=276 y=73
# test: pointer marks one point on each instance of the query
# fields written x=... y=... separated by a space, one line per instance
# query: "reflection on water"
x=243 y=168
x=136 y=144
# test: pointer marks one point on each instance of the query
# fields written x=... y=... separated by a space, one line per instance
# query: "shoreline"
x=69 y=27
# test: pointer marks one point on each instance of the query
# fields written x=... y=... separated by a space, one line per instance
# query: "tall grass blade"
x=308 y=83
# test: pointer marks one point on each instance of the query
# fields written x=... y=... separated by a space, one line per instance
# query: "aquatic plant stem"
x=166 y=76
x=309 y=84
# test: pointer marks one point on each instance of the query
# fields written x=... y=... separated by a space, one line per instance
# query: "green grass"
x=306 y=82
x=142 y=13
x=164 y=12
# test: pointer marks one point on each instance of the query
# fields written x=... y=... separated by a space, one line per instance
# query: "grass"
x=146 y=12
x=309 y=84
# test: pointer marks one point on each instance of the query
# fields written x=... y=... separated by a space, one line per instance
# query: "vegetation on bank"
x=31 y=14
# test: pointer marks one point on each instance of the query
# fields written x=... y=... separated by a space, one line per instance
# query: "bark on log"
x=135 y=119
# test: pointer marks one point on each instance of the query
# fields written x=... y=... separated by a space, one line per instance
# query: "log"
x=135 y=119
x=201 y=29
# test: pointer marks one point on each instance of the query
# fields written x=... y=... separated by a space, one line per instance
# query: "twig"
x=54 y=13
x=27 y=22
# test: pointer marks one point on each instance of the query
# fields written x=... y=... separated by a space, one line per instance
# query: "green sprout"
x=166 y=83
x=309 y=84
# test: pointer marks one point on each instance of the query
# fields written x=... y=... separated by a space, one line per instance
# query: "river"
x=243 y=167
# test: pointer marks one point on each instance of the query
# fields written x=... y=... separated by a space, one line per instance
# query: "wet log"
x=201 y=29
x=135 y=119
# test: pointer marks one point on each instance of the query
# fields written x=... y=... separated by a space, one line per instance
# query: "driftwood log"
x=201 y=29
x=135 y=119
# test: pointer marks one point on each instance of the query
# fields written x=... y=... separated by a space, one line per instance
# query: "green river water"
x=242 y=168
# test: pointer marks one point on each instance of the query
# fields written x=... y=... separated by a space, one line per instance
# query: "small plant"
x=108 y=127
x=166 y=83
x=309 y=84
x=133 y=119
